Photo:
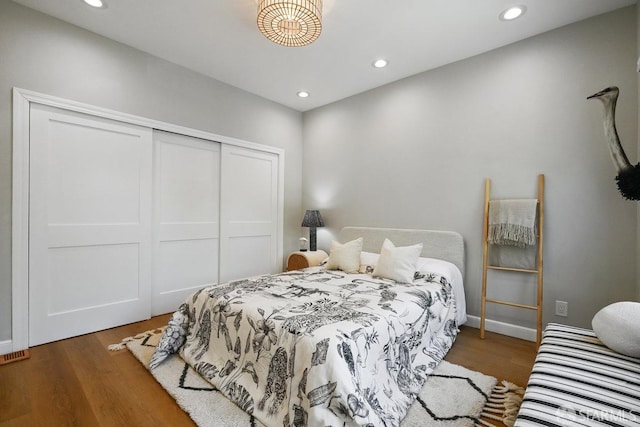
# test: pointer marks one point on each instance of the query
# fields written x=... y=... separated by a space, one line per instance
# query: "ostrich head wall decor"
x=628 y=176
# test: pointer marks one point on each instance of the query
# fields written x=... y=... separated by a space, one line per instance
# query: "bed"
x=578 y=381
x=323 y=347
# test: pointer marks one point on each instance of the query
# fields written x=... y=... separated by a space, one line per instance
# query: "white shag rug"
x=453 y=396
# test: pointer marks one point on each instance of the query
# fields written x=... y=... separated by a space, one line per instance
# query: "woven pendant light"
x=290 y=22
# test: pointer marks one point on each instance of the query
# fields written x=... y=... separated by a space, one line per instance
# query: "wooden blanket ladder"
x=536 y=271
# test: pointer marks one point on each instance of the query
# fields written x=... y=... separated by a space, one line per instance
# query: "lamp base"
x=312 y=239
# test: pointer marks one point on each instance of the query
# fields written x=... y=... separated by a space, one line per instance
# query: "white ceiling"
x=219 y=38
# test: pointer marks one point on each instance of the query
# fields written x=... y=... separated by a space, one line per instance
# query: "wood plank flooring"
x=78 y=382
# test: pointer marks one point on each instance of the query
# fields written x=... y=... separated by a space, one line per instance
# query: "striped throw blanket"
x=578 y=381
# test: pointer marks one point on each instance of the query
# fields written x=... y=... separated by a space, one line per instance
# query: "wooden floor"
x=78 y=382
x=497 y=355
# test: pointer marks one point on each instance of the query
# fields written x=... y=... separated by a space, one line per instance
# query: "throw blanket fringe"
x=123 y=344
x=513 y=222
x=512 y=234
x=503 y=405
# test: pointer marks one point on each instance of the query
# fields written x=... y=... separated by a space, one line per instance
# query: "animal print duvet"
x=316 y=347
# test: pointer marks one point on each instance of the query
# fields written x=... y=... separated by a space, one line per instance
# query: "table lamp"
x=312 y=219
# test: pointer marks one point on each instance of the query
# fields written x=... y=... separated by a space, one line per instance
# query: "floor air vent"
x=14 y=357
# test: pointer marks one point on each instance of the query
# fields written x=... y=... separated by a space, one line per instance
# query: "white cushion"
x=616 y=326
x=345 y=257
x=368 y=261
x=397 y=264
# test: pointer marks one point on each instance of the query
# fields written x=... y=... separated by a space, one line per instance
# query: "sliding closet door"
x=249 y=213
x=89 y=224
x=186 y=218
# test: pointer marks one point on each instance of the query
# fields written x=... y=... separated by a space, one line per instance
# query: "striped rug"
x=578 y=381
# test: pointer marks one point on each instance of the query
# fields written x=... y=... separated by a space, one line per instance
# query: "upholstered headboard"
x=445 y=245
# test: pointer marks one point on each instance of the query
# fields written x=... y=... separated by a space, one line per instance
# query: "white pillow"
x=397 y=264
x=368 y=261
x=345 y=257
x=616 y=326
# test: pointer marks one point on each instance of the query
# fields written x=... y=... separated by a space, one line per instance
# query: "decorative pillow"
x=345 y=257
x=616 y=326
x=368 y=261
x=397 y=264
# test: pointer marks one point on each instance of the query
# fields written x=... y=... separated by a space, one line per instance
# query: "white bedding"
x=318 y=347
x=449 y=270
x=444 y=268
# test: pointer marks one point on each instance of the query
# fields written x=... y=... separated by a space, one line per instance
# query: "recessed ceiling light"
x=380 y=63
x=513 y=13
x=100 y=4
x=303 y=94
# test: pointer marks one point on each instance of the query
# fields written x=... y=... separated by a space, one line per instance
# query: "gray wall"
x=415 y=153
x=46 y=55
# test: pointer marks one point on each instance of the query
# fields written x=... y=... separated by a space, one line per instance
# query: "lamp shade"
x=312 y=218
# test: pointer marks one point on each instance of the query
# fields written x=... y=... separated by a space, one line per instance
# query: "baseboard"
x=6 y=347
x=503 y=328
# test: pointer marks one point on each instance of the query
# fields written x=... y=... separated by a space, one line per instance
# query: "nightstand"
x=298 y=260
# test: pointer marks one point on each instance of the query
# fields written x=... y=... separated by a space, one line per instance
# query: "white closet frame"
x=22 y=100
